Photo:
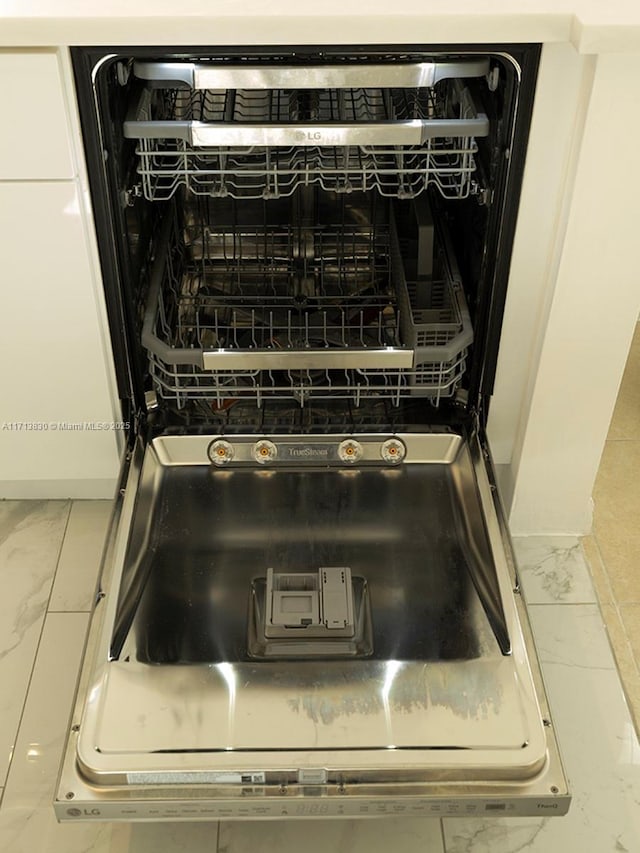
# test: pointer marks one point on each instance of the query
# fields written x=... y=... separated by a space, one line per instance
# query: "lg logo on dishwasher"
x=81 y=812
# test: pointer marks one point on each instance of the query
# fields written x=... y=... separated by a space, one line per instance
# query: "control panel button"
x=393 y=451
x=264 y=451
x=221 y=452
x=349 y=451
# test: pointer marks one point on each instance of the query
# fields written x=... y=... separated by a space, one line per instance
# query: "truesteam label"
x=308 y=452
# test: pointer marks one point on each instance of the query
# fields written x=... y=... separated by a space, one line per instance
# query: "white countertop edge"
x=302 y=29
x=593 y=26
x=594 y=38
x=199 y=30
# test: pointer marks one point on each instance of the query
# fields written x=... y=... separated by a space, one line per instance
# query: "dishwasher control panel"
x=284 y=807
x=273 y=451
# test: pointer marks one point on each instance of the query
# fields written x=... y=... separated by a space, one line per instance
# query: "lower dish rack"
x=259 y=310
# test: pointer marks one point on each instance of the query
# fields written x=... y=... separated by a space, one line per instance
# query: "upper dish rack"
x=262 y=131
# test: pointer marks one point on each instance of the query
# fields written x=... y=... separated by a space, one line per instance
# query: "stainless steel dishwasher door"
x=444 y=704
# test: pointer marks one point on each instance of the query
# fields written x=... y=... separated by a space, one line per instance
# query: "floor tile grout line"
x=444 y=842
x=626 y=688
x=609 y=585
x=72 y=501
x=614 y=603
x=617 y=605
x=595 y=603
x=629 y=643
x=634 y=712
x=87 y=611
x=55 y=573
x=602 y=563
x=37 y=651
x=100 y=558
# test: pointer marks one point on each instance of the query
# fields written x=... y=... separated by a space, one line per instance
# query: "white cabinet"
x=58 y=386
x=34 y=136
x=56 y=364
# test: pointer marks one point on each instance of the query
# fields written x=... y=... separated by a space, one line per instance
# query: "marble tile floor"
x=49 y=557
x=613 y=550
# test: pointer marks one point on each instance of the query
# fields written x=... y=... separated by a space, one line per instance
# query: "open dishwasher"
x=308 y=605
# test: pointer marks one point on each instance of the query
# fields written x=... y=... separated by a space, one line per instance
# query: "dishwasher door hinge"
x=483 y=195
x=139 y=422
x=137 y=427
x=475 y=429
x=479 y=435
x=129 y=196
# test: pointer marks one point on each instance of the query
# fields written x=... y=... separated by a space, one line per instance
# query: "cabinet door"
x=54 y=350
x=34 y=132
